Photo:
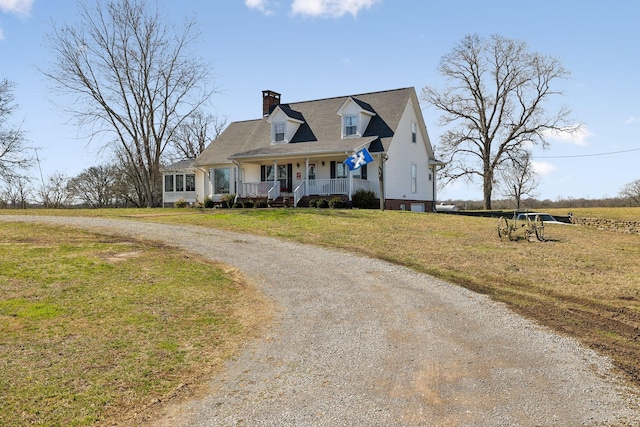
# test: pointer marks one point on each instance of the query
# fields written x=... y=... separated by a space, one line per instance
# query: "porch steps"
x=279 y=202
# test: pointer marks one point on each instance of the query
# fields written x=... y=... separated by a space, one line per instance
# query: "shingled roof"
x=320 y=134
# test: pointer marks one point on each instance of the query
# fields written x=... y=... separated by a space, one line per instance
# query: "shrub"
x=209 y=203
x=323 y=204
x=313 y=203
x=337 y=202
x=227 y=200
x=248 y=204
x=261 y=203
x=364 y=199
x=180 y=203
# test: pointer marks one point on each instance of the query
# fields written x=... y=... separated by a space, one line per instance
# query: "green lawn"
x=95 y=327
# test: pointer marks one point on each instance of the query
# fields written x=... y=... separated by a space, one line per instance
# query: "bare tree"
x=132 y=76
x=95 y=186
x=55 y=192
x=16 y=191
x=518 y=178
x=193 y=135
x=127 y=188
x=493 y=105
x=12 y=140
x=631 y=192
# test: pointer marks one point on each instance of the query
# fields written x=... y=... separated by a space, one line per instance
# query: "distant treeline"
x=530 y=204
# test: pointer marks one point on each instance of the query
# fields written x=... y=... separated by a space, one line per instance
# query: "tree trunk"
x=487 y=187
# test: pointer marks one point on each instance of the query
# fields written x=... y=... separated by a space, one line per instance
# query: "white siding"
x=170 y=197
x=402 y=153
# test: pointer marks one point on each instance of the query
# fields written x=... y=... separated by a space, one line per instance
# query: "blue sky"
x=311 y=49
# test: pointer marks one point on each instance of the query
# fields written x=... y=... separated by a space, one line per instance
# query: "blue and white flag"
x=359 y=158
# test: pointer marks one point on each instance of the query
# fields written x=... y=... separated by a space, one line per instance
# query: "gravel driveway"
x=360 y=342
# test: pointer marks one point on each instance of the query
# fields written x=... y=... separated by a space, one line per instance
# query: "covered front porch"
x=298 y=178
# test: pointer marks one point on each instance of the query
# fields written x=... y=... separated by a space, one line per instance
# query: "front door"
x=284 y=176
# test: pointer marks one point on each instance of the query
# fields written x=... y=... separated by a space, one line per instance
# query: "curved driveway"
x=360 y=342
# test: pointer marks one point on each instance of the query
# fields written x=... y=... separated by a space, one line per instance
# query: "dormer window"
x=278 y=131
x=356 y=116
x=285 y=122
x=350 y=125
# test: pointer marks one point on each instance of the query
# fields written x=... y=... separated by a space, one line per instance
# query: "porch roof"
x=312 y=148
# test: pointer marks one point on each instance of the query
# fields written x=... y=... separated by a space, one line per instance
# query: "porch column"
x=350 y=184
x=275 y=172
x=306 y=177
x=211 y=184
x=238 y=178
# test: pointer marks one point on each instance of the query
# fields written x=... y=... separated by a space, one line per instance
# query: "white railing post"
x=299 y=192
x=350 y=184
x=274 y=192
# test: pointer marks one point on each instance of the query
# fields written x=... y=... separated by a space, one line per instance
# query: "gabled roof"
x=296 y=115
x=321 y=132
x=363 y=105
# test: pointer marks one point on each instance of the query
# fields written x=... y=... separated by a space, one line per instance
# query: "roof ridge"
x=351 y=95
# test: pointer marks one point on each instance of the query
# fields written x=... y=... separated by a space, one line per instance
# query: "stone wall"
x=609 y=224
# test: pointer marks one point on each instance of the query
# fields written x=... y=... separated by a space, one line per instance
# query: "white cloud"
x=330 y=8
x=576 y=135
x=312 y=8
x=261 y=5
x=631 y=120
x=542 y=168
x=19 y=7
x=1 y=35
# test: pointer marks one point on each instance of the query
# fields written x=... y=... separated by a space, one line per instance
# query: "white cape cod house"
x=296 y=152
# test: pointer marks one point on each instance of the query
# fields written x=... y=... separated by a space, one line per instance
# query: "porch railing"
x=328 y=186
x=363 y=184
x=254 y=189
x=274 y=192
x=312 y=187
x=299 y=193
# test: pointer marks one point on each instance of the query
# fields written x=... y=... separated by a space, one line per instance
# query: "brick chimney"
x=270 y=100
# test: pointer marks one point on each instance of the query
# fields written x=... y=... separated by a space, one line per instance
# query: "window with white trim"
x=179 y=182
x=190 y=182
x=342 y=170
x=278 y=132
x=414 y=132
x=221 y=178
x=414 y=177
x=350 y=125
x=168 y=183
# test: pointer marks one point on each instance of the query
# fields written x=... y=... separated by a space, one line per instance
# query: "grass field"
x=96 y=327
x=581 y=282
